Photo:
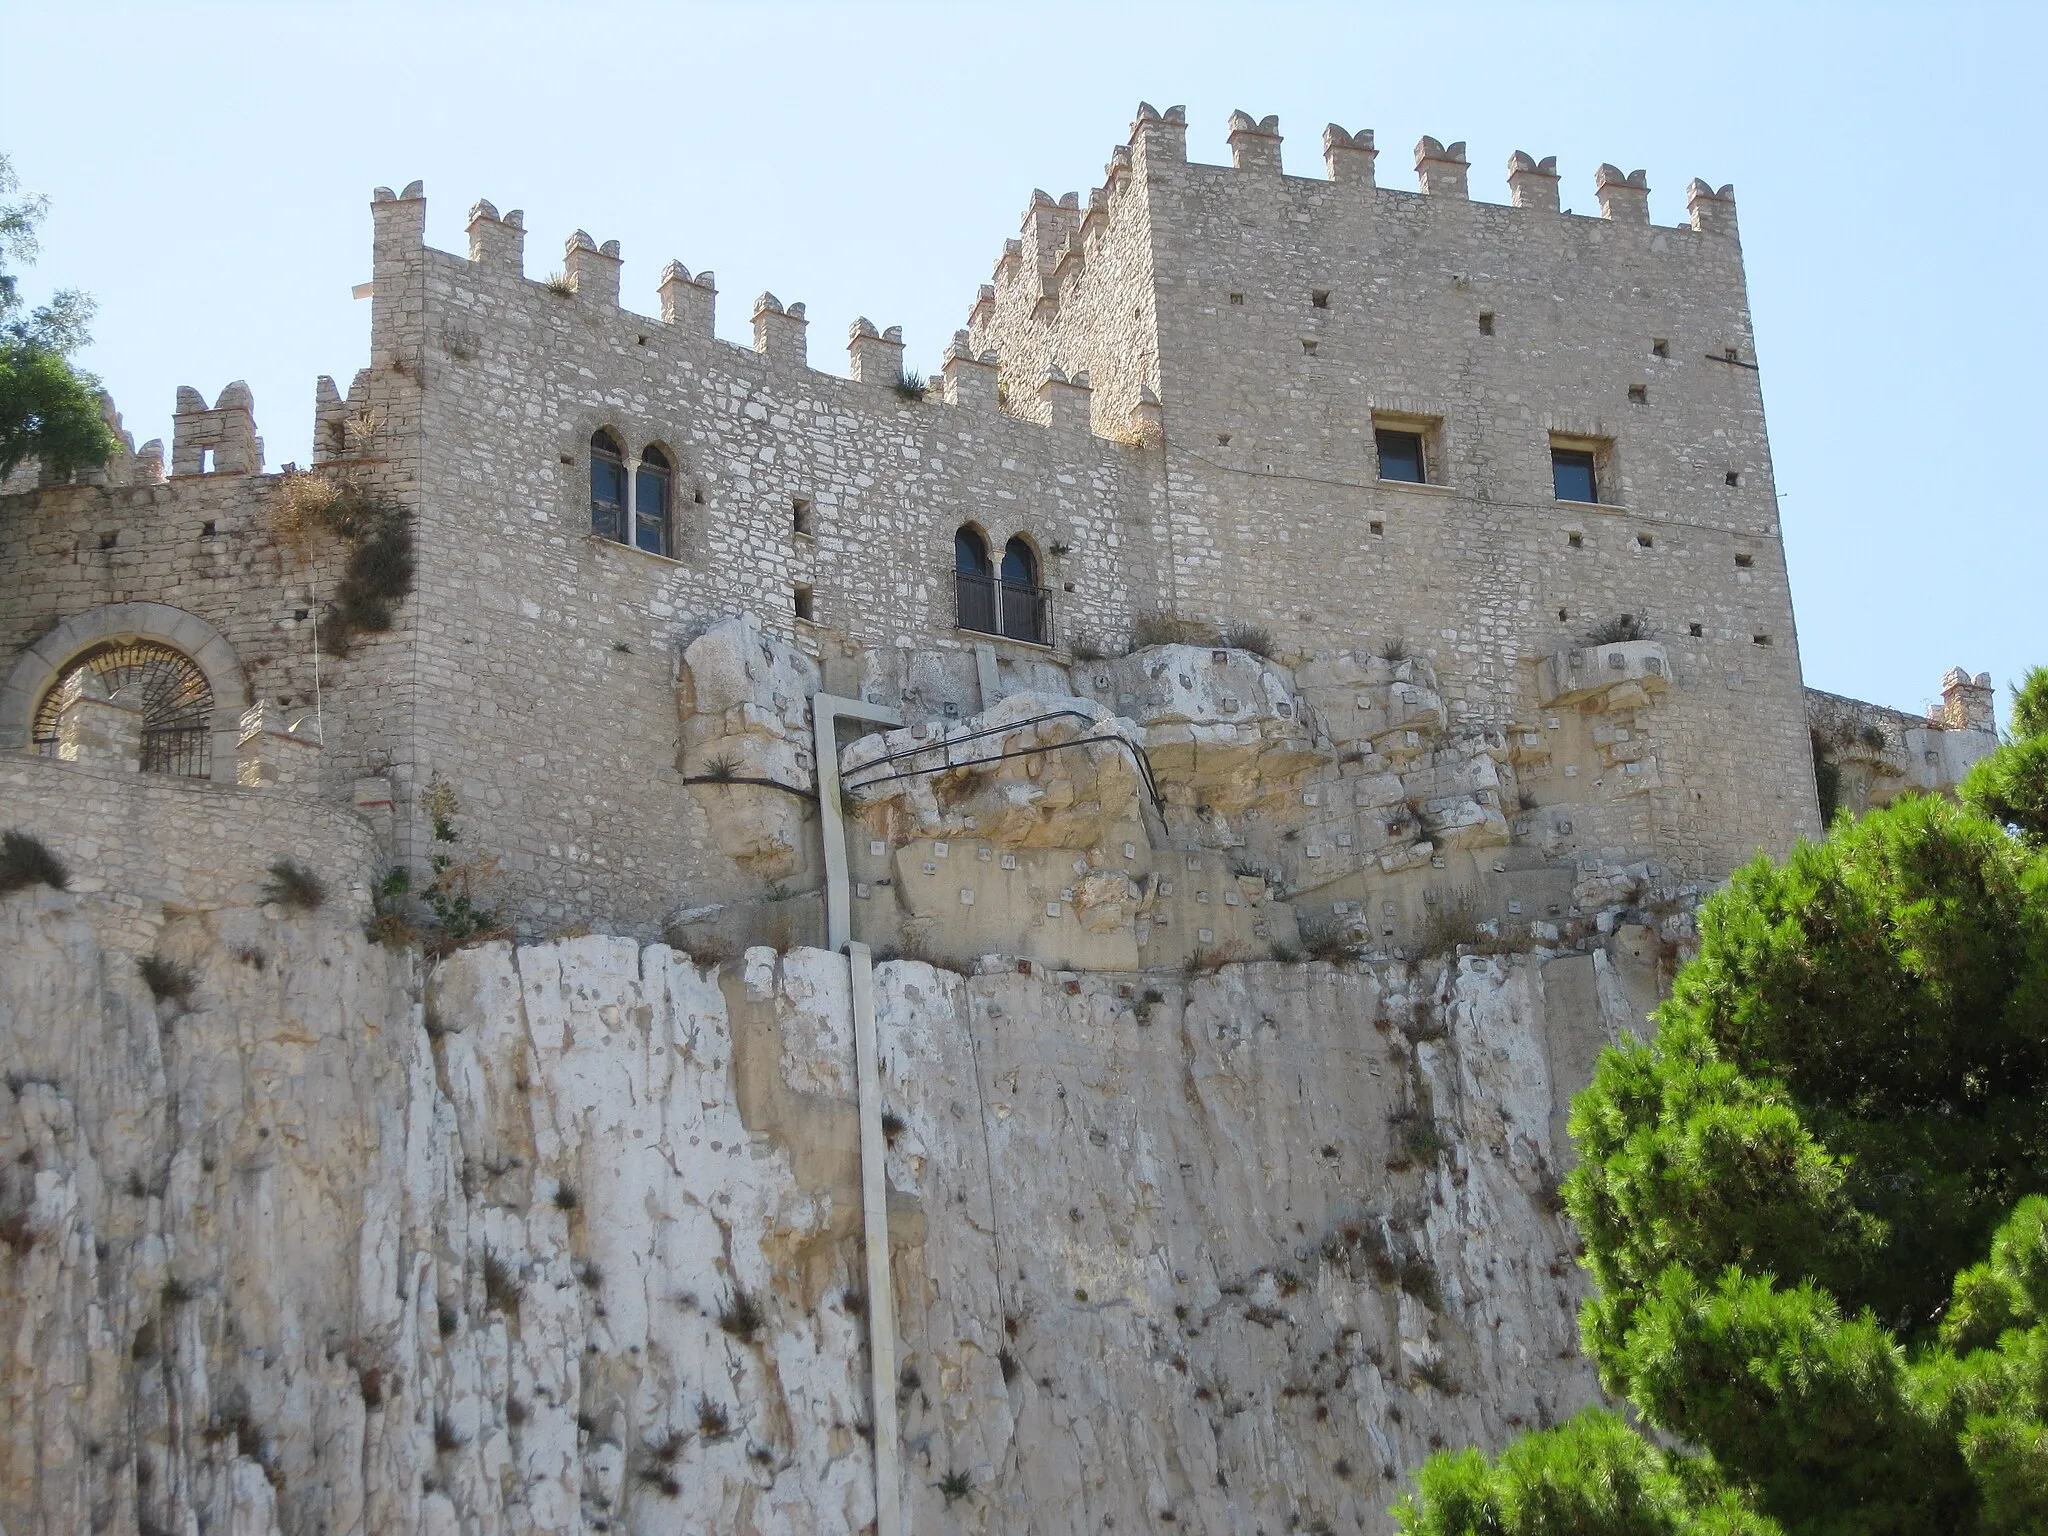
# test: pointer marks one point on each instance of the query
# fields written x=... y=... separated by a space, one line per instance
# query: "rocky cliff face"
x=566 y=1237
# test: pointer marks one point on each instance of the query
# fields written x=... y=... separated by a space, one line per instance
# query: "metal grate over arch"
x=177 y=704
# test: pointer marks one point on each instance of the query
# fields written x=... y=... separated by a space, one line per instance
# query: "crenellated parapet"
x=497 y=242
x=1966 y=702
x=1624 y=196
x=1713 y=213
x=970 y=377
x=875 y=357
x=1158 y=143
x=1440 y=169
x=343 y=428
x=219 y=439
x=1533 y=183
x=779 y=331
x=592 y=269
x=688 y=302
x=1159 y=138
x=1349 y=157
x=1067 y=403
x=1255 y=144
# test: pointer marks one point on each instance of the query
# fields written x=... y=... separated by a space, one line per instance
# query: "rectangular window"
x=803 y=602
x=1572 y=475
x=1401 y=456
x=1485 y=323
x=800 y=514
x=1660 y=348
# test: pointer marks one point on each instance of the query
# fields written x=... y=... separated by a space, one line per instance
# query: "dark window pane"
x=970 y=554
x=1401 y=456
x=607 y=494
x=1019 y=565
x=1571 y=471
x=650 y=510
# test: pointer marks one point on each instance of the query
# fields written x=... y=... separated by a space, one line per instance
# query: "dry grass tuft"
x=295 y=886
x=25 y=860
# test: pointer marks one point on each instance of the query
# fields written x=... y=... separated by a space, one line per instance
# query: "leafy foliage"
x=49 y=410
x=1590 y=1476
x=454 y=895
x=2011 y=787
x=2030 y=705
x=1816 y=1207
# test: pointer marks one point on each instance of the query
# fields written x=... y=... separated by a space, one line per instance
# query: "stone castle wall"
x=150 y=842
x=1171 y=394
x=551 y=654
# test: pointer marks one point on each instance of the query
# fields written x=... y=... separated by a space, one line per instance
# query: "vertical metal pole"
x=826 y=710
x=874 y=1199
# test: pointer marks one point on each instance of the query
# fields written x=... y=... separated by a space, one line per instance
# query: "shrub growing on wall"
x=378 y=569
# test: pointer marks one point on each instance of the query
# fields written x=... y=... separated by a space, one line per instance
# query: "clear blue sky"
x=209 y=167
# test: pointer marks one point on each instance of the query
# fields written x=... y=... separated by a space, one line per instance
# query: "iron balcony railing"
x=990 y=606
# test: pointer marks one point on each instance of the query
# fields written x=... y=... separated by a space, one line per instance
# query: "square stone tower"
x=1495 y=432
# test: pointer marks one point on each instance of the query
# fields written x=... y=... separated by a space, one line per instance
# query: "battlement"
x=1158 y=142
x=219 y=439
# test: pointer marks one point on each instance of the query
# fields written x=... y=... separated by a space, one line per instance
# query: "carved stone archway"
x=39 y=667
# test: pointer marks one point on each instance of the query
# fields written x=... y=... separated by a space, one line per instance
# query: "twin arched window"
x=1010 y=603
x=631 y=503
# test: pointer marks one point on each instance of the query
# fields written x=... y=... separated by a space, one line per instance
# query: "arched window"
x=1026 y=609
x=607 y=487
x=651 y=484
x=1020 y=564
x=177 y=703
x=974 y=586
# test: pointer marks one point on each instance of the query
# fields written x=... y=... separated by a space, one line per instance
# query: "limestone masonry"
x=1297 y=670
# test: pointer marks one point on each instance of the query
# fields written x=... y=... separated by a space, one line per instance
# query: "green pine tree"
x=1816 y=1205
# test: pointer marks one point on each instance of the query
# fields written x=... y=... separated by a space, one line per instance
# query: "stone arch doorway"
x=157 y=647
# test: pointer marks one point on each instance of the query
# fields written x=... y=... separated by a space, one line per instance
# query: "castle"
x=1523 y=446
x=1279 y=566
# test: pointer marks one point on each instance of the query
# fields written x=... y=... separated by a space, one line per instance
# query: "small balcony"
x=990 y=606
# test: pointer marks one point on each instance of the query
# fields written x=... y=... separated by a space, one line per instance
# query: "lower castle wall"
x=67 y=550
x=151 y=842
x=343 y=1247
